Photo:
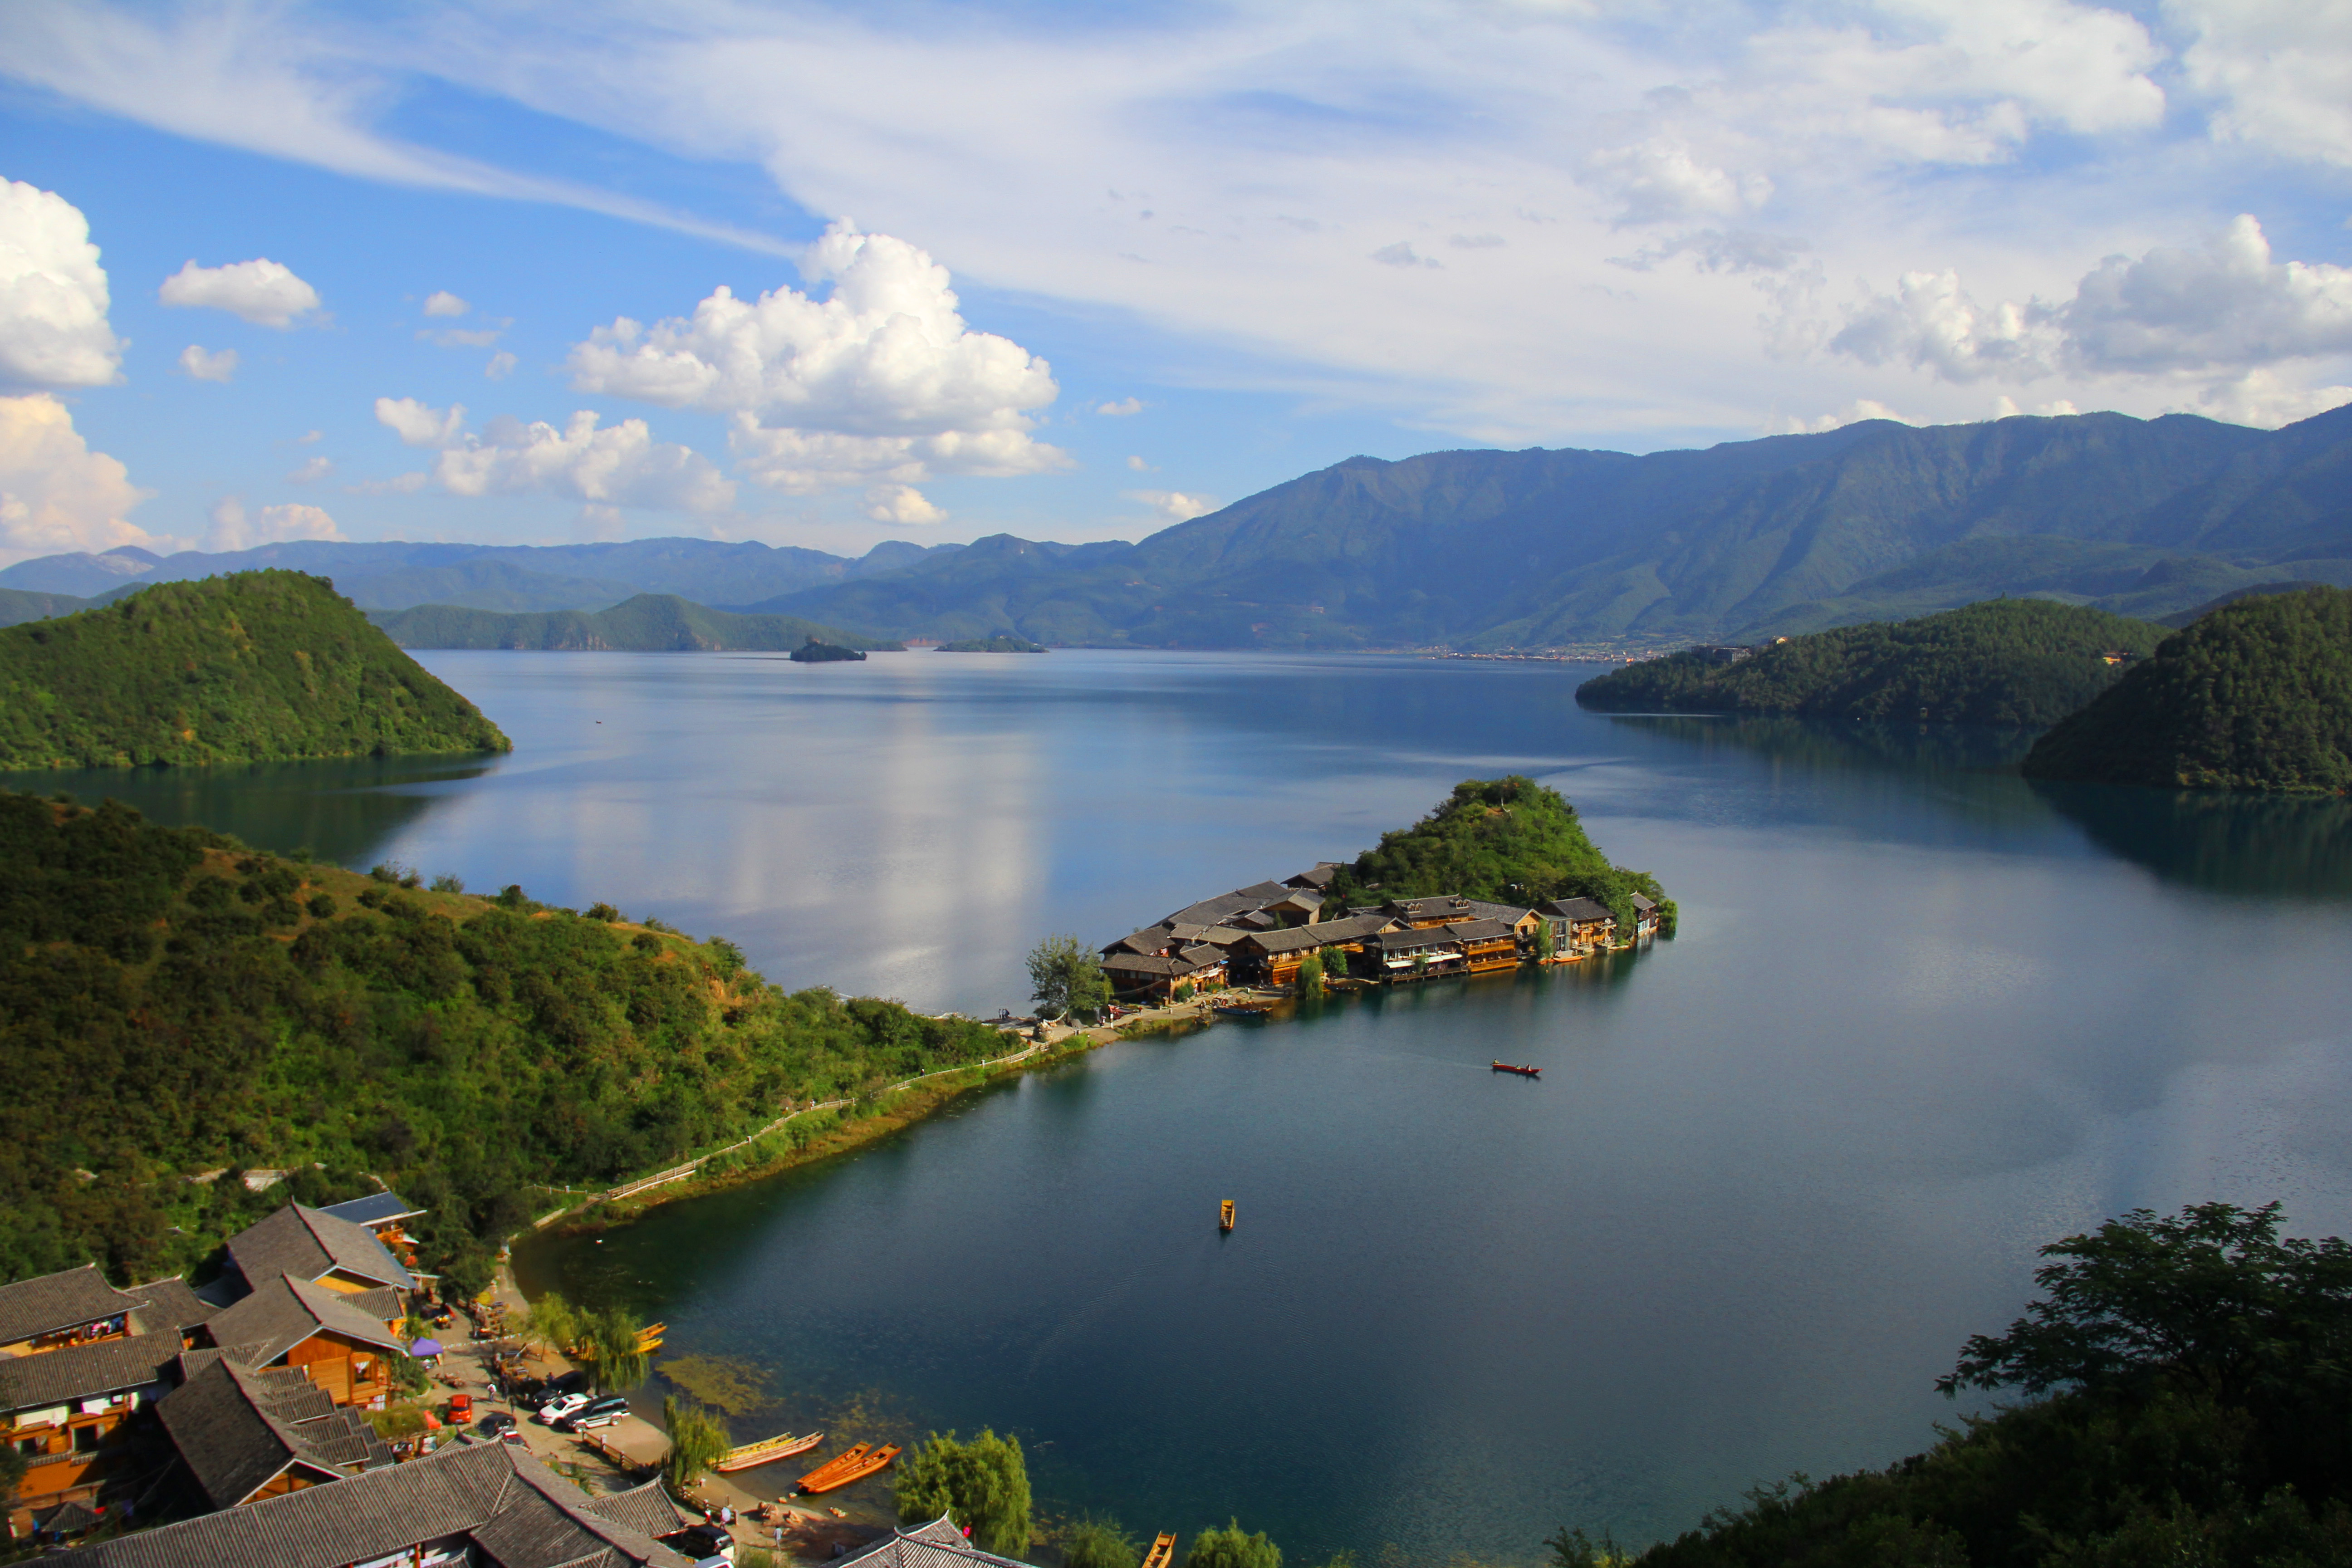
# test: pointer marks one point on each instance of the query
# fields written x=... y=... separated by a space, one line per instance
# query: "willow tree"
x=613 y=1339
x=982 y=1484
x=697 y=1442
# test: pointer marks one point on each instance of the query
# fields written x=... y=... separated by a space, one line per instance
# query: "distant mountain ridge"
x=1741 y=542
x=649 y=622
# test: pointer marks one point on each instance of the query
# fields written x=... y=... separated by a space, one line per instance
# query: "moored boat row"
x=848 y=1468
x=767 y=1451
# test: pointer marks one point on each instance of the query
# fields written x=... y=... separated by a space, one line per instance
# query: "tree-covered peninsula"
x=2020 y=662
x=172 y=1004
x=2256 y=696
x=257 y=667
x=1503 y=841
x=649 y=622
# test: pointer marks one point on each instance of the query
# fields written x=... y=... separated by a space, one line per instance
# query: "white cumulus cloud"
x=620 y=464
x=56 y=494
x=264 y=292
x=234 y=528
x=901 y=504
x=1120 y=409
x=2262 y=398
x=1853 y=413
x=441 y=303
x=202 y=365
x=1173 y=505
x=53 y=296
x=879 y=381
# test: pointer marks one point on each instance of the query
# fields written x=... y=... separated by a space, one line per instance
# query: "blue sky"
x=1095 y=268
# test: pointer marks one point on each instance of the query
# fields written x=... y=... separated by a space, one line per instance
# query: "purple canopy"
x=424 y=1348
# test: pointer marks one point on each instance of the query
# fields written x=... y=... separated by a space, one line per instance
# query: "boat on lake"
x=1164 y=1552
x=1225 y=1214
x=767 y=1451
x=1523 y=1072
x=840 y=1474
x=821 y=1479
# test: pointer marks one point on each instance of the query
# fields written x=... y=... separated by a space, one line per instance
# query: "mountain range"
x=1480 y=550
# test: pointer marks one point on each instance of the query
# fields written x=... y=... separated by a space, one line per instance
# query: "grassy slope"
x=649 y=622
x=2007 y=661
x=2256 y=696
x=257 y=667
x=170 y=1003
x=1506 y=841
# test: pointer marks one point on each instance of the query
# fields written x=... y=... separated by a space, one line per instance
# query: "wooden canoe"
x=879 y=1459
x=767 y=1451
x=1162 y=1553
x=816 y=1481
x=1225 y=1214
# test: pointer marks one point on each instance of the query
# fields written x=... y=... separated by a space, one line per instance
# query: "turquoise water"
x=1922 y=1017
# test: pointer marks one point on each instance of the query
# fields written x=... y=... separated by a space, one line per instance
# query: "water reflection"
x=2292 y=847
x=346 y=811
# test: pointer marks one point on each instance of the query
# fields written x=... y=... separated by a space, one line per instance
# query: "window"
x=86 y=1439
x=32 y=1447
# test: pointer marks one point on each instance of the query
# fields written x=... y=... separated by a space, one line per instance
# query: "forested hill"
x=2256 y=696
x=171 y=1003
x=262 y=666
x=2022 y=662
x=649 y=622
x=1504 y=841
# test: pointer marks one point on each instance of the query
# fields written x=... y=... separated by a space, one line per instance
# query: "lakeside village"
x=1267 y=935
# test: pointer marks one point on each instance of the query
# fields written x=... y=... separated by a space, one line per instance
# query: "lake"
x=1921 y=1018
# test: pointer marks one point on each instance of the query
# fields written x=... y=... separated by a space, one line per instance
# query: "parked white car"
x=556 y=1410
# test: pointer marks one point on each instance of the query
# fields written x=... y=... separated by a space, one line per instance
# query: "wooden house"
x=1154 y=978
x=1316 y=879
x=1646 y=917
x=1302 y=907
x=69 y=1413
x=1579 y=926
x=1418 y=952
x=1422 y=913
x=338 y=1339
x=1524 y=922
x=319 y=1248
x=1274 y=957
x=245 y=1435
x=386 y=1213
x=1487 y=946
x=479 y=1503
x=52 y=1312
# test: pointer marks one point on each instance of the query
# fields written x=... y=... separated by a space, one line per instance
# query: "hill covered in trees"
x=1506 y=841
x=259 y=667
x=2019 y=662
x=2255 y=696
x=2190 y=1402
x=649 y=622
x=172 y=1003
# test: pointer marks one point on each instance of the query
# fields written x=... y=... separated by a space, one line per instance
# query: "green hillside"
x=649 y=622
x=1506 y=841
x=261 y=666
x=2020 y=662
x=170 y=1003
x=2255 y=696
x=1003 y=642
x=17 y=606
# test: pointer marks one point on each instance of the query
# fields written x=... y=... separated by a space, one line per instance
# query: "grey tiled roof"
x=1428 y=909
x=1319 y=876
x=1642 y=903
x=310 y=1243
x=85 y=1372
x=938 y=1544
x=48 y=1302
x=170 y=1305
x=1509 y=914
x=374 y=1209
x=285 y=1312
x=1355 y=928
x=492 y=1490
x=1479 y=930
x=1578 y=909
x=1411 y=941
x=646 y=1510
x=237 y=1428
x=1222 y=908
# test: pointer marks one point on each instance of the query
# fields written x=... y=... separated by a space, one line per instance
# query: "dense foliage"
x=982 y=1485
x=2256 y=696
x=1066 y=977
x=1094 y=1543
x=172 y=1005
x=2199 y=1410
x=262 y=666
x=2019 y=662
x=649 y=622
x=1507 y=841
x=1231 y=1547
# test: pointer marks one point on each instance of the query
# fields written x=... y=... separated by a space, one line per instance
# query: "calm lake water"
x=1921 y=1019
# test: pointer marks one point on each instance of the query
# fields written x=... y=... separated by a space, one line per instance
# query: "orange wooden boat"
x=1523 y=1072
x=767 y=1452
x=850 y=1475
x=1225 y=1214
x=1162 y=1553
x=816 y=1480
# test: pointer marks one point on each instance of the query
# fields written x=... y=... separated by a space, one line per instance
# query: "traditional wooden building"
x=1645 y=916
x=474 y=1505
x=1274 y=957
x=1154 y=978
x=1422 y=952
x=387 y=1215
x=1487 y=946
x=318 y=1248
x=69 y=1414
x=1524 y=922
x=1422 y=913
x=938 y=1544
x=245 y=1435
x=339 y=1340
x=1302 y=907
x=51 y=1311
x=1580 y=927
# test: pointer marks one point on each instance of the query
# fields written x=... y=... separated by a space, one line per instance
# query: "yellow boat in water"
x=1164 y=1552
x=767 y=1452
x=1225 y=1214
